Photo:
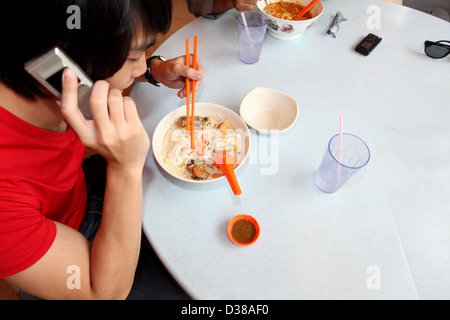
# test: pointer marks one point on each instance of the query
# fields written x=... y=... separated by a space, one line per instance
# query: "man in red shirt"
x=43 y=191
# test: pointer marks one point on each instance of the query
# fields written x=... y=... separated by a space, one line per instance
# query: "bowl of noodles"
x=216 y=129
x=281 y=17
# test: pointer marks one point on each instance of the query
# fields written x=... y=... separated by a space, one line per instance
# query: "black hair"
x=100 y=46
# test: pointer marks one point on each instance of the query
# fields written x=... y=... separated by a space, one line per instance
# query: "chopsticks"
x=190 y=110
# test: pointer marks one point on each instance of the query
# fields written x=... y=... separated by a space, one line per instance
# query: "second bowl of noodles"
x=281 y=14
x=216 y=129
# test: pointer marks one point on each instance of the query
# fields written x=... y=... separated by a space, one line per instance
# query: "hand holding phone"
x=116 y=131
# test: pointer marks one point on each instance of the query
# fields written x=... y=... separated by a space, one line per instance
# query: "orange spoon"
x=225 y=162
x=306 y=9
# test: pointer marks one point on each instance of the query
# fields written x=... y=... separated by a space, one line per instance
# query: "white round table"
x=385 y=234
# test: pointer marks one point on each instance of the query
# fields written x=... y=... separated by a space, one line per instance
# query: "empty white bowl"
x=267 y=110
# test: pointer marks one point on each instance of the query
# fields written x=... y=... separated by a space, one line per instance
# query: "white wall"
x=422 y=5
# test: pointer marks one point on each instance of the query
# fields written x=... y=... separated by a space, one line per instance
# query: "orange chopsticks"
x=190 y=110
x=306 y=9
x=188 y=91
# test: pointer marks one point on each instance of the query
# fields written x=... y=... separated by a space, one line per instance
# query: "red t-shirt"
x=41 y=181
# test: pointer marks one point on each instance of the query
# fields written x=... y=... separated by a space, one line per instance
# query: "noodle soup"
x=212 y=135
x=281 y=25
x=287 y=10
x=171 y=142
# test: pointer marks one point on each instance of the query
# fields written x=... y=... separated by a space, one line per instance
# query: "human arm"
x=213 y=8
x=107 y=268
x=221 y=6
x=395 y=1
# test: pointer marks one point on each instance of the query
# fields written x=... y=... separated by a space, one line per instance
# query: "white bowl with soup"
x=216 y=129
x=281 y=14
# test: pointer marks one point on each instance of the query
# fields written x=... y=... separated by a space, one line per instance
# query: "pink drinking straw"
x=340 y=136
x=246 y=26
x=341 y=120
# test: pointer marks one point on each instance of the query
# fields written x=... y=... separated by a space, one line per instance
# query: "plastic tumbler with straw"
x=346 y=154
x=252 y=29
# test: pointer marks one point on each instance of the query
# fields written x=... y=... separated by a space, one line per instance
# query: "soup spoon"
x=225 y=161
x=306 y=9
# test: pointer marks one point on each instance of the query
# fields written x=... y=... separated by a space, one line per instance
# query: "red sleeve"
x=25 y=234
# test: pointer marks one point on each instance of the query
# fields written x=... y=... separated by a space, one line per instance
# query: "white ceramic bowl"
x=287 y=29
x=266 y=109
x=201 y=109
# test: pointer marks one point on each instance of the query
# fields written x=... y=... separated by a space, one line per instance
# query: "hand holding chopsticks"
x=173 y=73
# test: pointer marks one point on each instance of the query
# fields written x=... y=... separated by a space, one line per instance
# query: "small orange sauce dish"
x=243 y=230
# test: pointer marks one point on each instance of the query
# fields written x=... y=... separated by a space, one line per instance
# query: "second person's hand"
x=173 y=73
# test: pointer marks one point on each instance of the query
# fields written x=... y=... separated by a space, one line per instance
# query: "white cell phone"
x=48 y=69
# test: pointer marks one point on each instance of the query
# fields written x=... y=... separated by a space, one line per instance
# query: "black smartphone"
x=366 y=46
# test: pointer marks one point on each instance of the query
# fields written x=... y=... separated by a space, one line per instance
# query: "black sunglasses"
x=437 y=50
